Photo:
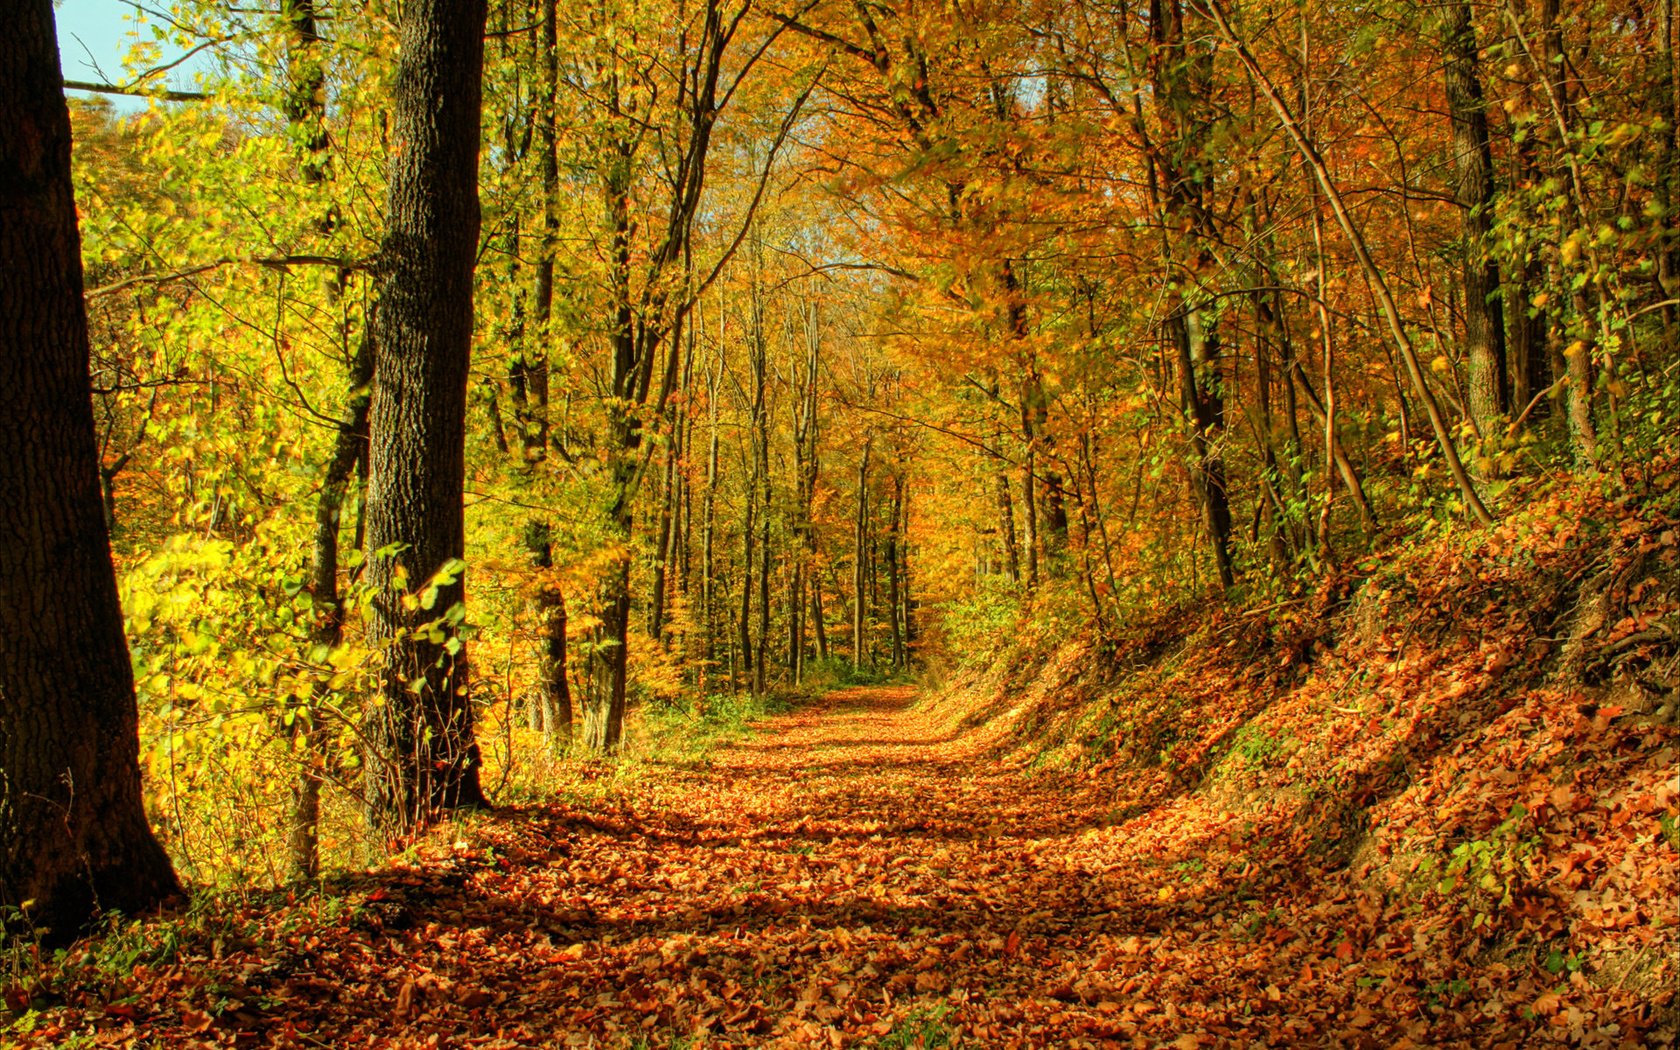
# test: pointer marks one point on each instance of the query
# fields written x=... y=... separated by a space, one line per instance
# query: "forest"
x=888 y=523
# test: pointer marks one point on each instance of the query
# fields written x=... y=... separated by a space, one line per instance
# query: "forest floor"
x=858 y=872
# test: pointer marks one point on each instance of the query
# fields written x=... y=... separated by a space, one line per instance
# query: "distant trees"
x=73 y=831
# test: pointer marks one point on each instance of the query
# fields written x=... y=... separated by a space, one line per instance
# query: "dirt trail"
x=854 y=874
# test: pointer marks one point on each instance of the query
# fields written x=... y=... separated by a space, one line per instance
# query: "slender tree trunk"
x=1577 y=354
x=1667 y=103
x=896 y=633
x=1181 y=72
x=1005 y=505
x=749 y=536
x=860 y=561
x=665 y=531
x=73 y=831
x=533 y=425
x=817 y=619
x=306 y=112
x=350 y=443
x=422 y=755
x=708 y=524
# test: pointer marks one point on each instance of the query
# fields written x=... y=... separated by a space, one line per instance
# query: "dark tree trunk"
x=1484 y=312
x=817 y=621
x=532 y=362
x=73 y=831
x=423 y=757
x=349 y=446
x=1181 y=72
x=860 y=567
x=892 y=554
x=666 y=538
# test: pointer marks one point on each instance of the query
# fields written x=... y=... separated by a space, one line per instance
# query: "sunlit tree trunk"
x=554 y=691
x=422 y=755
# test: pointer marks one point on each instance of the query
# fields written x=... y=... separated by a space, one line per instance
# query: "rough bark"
x=1180 y=76
x=422 y=755
x=1484 y=312
x=73 y=831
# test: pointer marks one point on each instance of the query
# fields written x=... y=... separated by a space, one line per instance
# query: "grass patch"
x=926 y=1027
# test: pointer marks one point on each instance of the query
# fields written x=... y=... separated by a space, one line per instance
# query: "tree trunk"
x=1181 y=76
x=603 y=715
x=73 y=831
x=554 y=691
x=665 y=531
x=533 y=428
x=1484 y=311
x=306 y=111
x=817 y=620
x=860 y=579
x=422 y=753
x=350 y=442
x=896 y=633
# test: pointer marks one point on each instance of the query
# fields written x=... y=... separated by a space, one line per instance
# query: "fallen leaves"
x=863 y=874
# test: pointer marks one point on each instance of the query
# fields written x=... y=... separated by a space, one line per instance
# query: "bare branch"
x=273 y=262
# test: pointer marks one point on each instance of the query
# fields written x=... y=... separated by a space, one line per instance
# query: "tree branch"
x=167 y=94
x=273 y=262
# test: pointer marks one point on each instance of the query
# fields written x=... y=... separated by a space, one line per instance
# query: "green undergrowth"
x=686 y=734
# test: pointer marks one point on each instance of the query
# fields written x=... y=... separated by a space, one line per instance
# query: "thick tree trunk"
x=423 y=757
x=73 y=831
x=1484 y=312
x=603 y=715
x=1180 y=73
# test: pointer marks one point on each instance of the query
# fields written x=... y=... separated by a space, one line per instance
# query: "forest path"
x=851 y=874
x=854 y=873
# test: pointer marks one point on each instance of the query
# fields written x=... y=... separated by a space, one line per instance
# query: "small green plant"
x=926 y=1028
x=1256 y=747
x=1670 y=827
x=1485 y=871
x=1557 y=963
x=836 y=672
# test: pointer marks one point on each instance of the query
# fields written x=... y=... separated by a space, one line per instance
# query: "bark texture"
x=423 y=757
x=1484 y=312
x=73 y=831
